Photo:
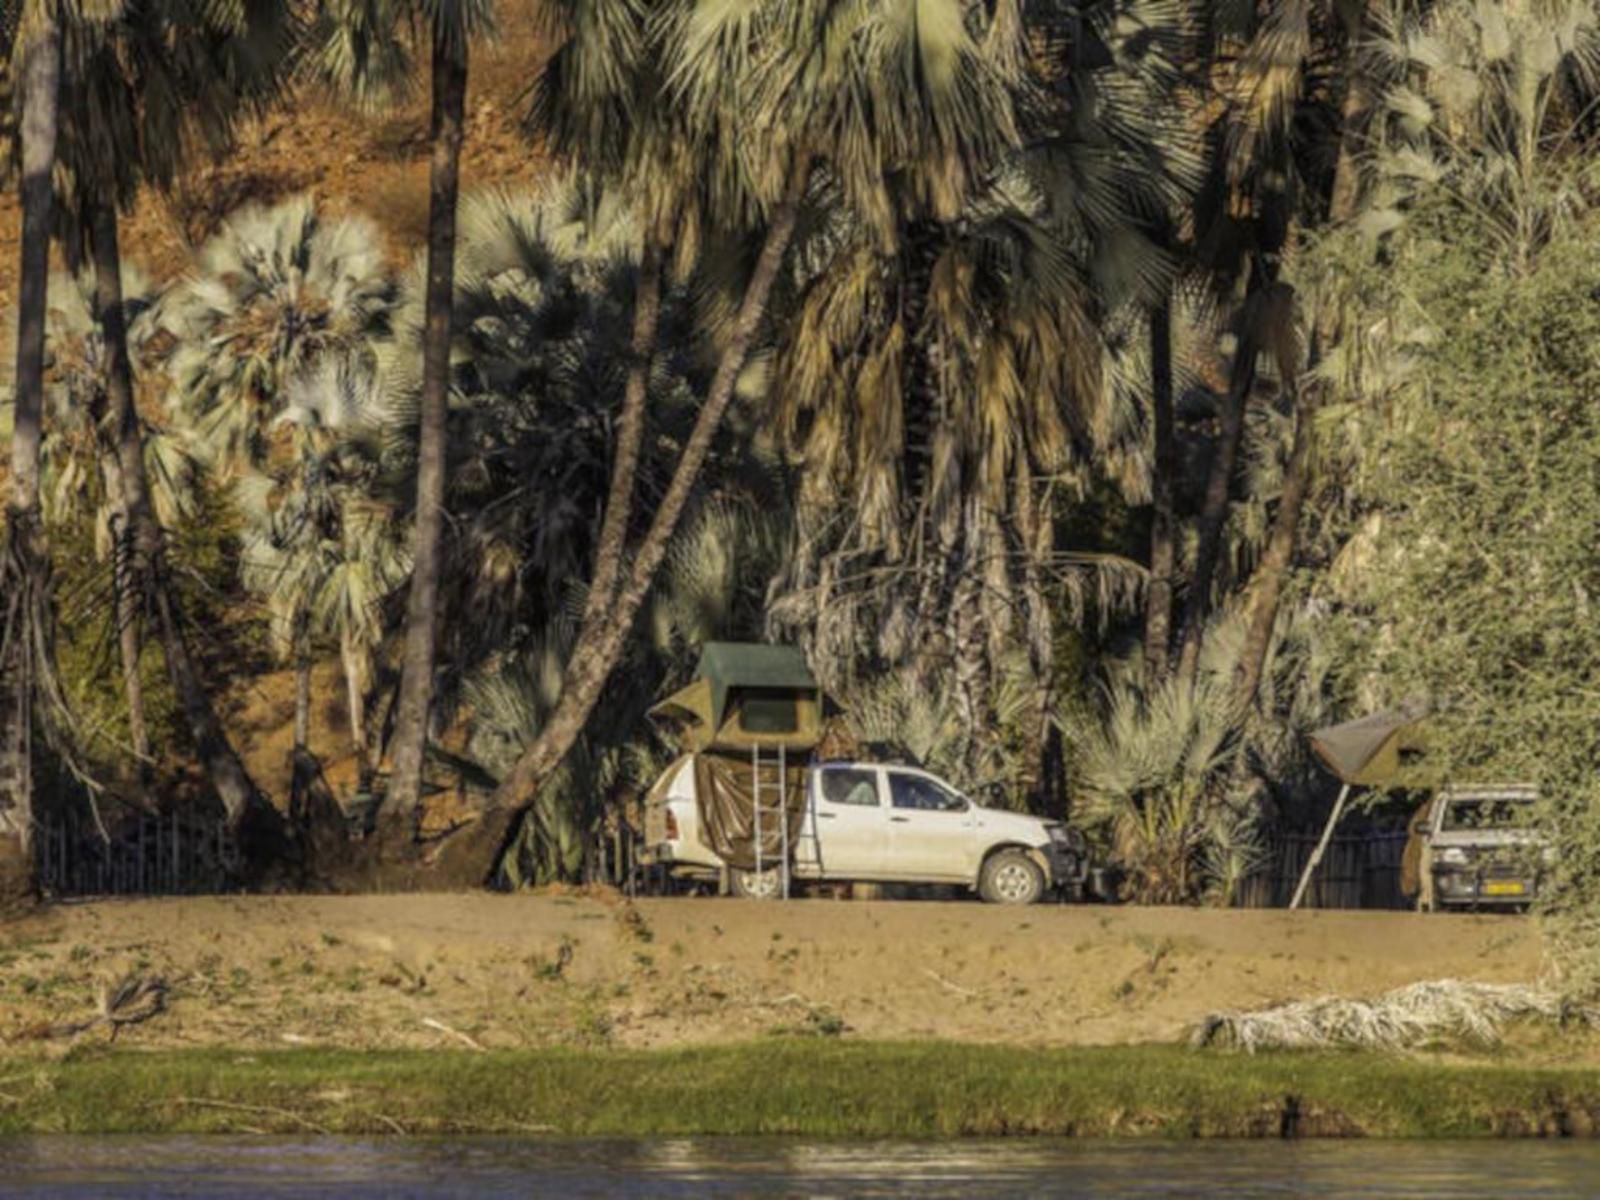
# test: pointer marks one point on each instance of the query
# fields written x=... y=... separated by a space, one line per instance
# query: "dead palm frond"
x=1407 y=1018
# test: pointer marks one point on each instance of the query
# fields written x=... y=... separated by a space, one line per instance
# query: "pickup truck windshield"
x=1487 y=814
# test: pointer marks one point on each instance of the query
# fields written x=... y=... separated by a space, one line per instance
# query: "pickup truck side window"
x=842 y=785
x=916 y=791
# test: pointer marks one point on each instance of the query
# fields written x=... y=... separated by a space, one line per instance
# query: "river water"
x=490 y=1167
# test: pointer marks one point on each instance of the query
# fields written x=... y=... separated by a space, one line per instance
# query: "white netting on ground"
x=1407 y=1016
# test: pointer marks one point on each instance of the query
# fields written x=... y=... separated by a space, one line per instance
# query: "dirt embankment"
x=511 y=971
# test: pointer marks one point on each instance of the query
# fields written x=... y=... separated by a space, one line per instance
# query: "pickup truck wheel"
x=750 y=885
x=1010 y=877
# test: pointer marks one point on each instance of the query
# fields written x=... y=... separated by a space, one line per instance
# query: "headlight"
x=1454 y=855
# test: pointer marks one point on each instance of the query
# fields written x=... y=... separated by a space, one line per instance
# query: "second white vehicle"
x=870 y=822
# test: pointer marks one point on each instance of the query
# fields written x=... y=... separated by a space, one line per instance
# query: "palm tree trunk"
x=1346 y=189
x=1035 y=531
x=1358 y=102
x=422 y=612
x=1163 y=525
x=473 y=855
x=302 y=703
x=1214 y=511
x=125 y=588
x=1273 y=573
x=147 y=561
x=356 y=675
x=41 y=85
x=630 y=436
x=41 y=90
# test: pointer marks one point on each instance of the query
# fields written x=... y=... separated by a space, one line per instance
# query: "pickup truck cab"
x=871 y=822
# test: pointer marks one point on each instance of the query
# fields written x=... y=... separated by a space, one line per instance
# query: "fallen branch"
x=262 y=1109
x=455 y=1033
x=392 y=1124
x=947 y=985
x=132 y=1000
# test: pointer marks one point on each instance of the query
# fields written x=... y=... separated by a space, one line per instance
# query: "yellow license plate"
x=1502 y=887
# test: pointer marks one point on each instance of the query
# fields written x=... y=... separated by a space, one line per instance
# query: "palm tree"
x=277 y=330
x=82 y=469
x=23 y=573
x=279 y=294
x=1272 y=74
x=1477 y=102
x=146 y=83
x=867 y=93
x=356 y=47
x=945 y=397
x=545 y=288
x=347 y=550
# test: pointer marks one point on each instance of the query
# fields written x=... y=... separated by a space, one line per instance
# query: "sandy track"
x=548 y=970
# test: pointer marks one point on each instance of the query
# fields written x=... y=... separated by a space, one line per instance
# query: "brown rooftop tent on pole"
x=751 y=718
x=1363 y=753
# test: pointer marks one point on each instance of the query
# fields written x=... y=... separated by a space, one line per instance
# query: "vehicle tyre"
x=1010 y=877
x=752 y=885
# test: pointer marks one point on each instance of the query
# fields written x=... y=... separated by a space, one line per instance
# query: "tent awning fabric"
x=1366 y=752
x=732 y=676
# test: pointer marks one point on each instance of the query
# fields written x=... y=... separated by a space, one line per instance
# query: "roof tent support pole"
x=1316 y=855
x=783 y=812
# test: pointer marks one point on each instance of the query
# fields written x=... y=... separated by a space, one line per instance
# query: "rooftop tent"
x=1366 y=752
x=747 y=695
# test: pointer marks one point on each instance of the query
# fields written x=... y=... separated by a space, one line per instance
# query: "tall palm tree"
x=1273 y=75
x=82 y=471
x=340 y=551
x=146 y=84
x=357 y=46
x=944 y=396
x=545 y=289
x=22 y=572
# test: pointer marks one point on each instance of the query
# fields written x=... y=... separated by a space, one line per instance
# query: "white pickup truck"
x=868 y=822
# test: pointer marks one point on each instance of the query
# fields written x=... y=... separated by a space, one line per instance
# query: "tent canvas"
x=1366 y=752
x=747 y=696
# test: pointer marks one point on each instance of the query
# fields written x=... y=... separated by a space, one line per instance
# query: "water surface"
x=270 y=1167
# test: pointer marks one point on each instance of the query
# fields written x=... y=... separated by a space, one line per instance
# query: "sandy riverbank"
x=386 y=972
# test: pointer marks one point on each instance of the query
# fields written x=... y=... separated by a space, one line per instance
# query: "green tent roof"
x=730 y=668
x=749 y=664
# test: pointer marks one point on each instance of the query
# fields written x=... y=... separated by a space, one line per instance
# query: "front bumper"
x=1068 y=866
x=1456 y=885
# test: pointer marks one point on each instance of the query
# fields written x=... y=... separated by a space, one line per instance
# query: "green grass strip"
x=816 y=1088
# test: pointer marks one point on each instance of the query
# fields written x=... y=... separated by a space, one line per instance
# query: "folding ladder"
x=771 y=803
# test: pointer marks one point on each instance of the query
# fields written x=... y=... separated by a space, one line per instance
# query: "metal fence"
x=147 y=854
x=1357 y=871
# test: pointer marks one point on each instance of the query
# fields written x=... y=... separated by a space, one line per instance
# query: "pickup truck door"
x=932 y=830
x=852 y=822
